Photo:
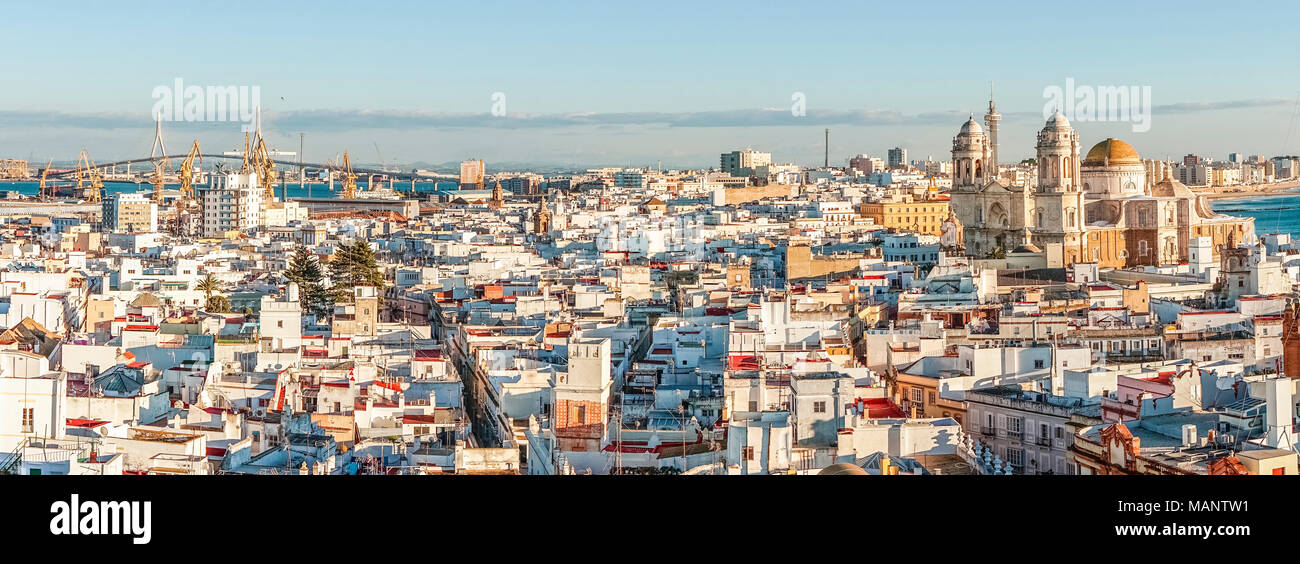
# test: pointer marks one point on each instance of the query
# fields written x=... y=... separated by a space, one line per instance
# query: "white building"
x=232 y=203
x=132 y=212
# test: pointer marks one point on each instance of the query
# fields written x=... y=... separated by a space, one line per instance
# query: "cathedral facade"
x=1108 y=208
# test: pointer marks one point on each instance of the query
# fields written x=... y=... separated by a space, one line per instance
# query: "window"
x=1016 y=457
x=917 y=395
x=1015 y=426
x=748 y=453
x=29 y=419
x=1040 y=364
x=1060 y=433
x=932 y=399
x=753 y=406
x=582 y=414
x=819 y=407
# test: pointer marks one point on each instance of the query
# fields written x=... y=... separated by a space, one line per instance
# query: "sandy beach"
x=1251 y=191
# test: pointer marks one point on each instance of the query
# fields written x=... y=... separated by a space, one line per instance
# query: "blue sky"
x=622 y=83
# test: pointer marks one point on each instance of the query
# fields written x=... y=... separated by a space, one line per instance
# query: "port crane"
x=160 y=170
x=186 y=173
x=46 y=191
x=265 y=167
x=89 y=178
x=349 y=178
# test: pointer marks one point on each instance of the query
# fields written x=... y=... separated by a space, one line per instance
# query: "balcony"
x=1015 y=434
x=1044 y=441
x=989 y=431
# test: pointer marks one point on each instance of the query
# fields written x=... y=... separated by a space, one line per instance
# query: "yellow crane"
x=160 y=169
x=186 y=175
x=89 y=178
x=45 y=187
x=248 y=165
x=265 y=169
x=349 y=179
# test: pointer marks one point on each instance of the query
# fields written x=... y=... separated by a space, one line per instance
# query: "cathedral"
x=1108 y=208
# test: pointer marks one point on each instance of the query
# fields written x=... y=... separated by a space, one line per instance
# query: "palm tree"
x=208 y=285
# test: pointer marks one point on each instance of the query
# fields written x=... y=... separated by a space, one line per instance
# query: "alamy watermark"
x=177 y=102
x=1100 y=103
x=798 y=104
x=77 y=517
x=499 y=104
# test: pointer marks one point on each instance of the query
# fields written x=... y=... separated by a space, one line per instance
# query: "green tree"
x=213 y=302
x=209 y=285
x=217 y=304
x=305 y=270
x=354 y=265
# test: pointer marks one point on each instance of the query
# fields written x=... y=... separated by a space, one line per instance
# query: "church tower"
x=1058 y=156
x=991 y=120
x=969 y=156
x=542 y=219
x=1057 y=205
x=498 y=196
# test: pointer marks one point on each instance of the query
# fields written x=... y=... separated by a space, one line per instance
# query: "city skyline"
x=422 y=87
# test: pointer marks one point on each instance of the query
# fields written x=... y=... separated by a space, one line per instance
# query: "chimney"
x=1281 y=407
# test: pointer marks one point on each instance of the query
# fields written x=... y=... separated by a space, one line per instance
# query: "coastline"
x=1253 y=191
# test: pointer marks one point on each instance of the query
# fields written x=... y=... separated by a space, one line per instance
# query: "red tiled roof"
x=880 y=408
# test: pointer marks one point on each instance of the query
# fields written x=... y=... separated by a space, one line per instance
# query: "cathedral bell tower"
x=1058 y=156
x=991 y=120
x=970 y=156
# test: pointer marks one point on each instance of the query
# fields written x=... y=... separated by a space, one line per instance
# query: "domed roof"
x=1058 y=120
x=971 y=126
x=842 y=468
x=1112 y=152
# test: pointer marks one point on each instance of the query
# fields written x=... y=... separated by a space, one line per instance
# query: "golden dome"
x=842 y=469
x=1112 y=152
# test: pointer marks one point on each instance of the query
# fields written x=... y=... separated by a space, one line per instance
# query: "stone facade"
x=1107 y=208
